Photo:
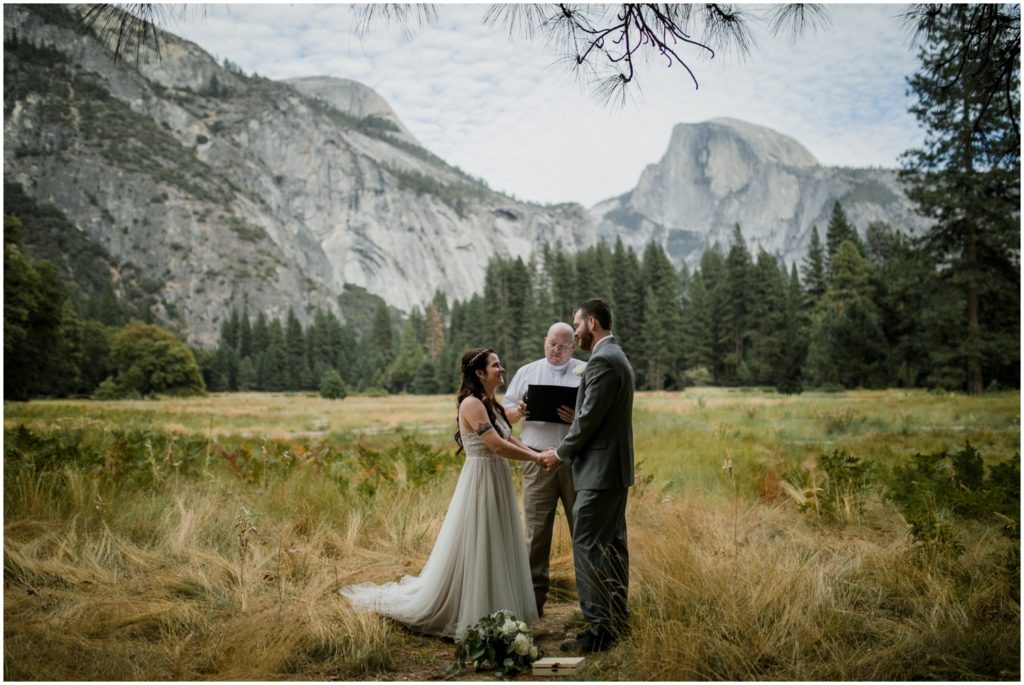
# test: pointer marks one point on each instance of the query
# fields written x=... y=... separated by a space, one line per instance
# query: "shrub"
x=933 y=491
x=841 y=495
x=107 y=390
x=332 y=386
x=697 y=375
x=151 y=360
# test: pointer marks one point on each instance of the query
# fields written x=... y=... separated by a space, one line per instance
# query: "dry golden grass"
x=109 y=579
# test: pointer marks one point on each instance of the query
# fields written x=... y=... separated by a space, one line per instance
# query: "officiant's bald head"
x=559 y=343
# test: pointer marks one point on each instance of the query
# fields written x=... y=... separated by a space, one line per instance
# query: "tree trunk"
x=973 y=351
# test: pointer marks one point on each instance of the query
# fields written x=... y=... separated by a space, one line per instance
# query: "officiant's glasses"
x=561 y=347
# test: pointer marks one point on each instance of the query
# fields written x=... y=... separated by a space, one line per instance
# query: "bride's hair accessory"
x=476 y=356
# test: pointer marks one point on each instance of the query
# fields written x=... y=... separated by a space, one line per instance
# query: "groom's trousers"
x=601 y=558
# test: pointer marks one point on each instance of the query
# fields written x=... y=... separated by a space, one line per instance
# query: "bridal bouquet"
x=501 y=639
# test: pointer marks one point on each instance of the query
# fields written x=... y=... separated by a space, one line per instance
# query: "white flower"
x=521 y=644
x=534 y=652
x=579 y=370
x=509 y=628
x=522 y=627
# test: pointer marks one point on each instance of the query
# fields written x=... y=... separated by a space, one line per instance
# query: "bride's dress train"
x=479 y=563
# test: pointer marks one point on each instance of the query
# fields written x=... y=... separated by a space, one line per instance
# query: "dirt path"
x=427 y=656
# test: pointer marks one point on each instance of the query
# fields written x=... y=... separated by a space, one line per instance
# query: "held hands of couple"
x=548 y=460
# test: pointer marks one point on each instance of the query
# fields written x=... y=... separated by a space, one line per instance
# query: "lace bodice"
x=474 y=444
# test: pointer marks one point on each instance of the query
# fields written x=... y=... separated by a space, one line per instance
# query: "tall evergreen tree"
x=402 y=370
x=815 y=274
x=767 y=313
x=738 y=284
x=628 y=293
x=847 y=344
x=297 y=374
x=382 y=345
x=260 y=335
x=662 y=324
x=967 y=174
x=795 y=328
x=718 y=340
x=902 y=282
x=434 y=333
x=245 y=342
x=698 y=350
x=839 y=230
x=273 y=369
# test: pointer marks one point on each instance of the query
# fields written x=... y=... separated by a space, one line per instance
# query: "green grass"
x=125 y=559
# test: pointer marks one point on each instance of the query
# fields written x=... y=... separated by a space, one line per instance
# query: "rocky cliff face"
x=227 y=189
x=724 y=172
x=222 y=189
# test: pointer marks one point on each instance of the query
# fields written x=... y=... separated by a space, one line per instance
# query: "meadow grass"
x=139 y=544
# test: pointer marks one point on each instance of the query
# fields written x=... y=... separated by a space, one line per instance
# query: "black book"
x=543 y=401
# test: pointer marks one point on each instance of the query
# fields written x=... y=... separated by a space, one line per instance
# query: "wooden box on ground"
x=558 y=665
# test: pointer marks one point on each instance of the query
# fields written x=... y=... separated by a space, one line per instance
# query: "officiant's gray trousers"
x=601 y=558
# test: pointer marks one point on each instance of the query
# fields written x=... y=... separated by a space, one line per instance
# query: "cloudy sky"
x=503 y=109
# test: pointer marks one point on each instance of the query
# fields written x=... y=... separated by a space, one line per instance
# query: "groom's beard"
x=586 y=340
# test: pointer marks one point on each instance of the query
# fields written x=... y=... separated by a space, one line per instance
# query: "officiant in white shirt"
x=542 y=489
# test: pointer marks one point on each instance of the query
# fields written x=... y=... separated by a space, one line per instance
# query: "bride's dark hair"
x=473 y=361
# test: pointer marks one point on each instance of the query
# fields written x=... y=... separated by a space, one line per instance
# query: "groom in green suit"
x=599 y=448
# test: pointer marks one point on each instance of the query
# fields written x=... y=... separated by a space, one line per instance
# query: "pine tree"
x=839 y=230
x=967 y=175
x=332 y=387
x=902 y=281
x=696 y=329
x=297 y=374
x=273 y=369
x=434 y=333
x=796 y=325
x=501 y=329
x=562 y=273
x=245 y=342
x=847 y=344
x=767 y=313
x=738 y=285
x=402 y=370
x=248 y=379
x=260 y=335
x=628 y=293
x=662 y=324
x=717 y=341
x=382 y=346
x=815 y=275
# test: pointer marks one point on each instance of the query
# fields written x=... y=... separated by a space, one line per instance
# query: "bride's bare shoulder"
x=470 y=403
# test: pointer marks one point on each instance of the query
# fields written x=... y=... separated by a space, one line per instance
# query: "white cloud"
x=500 y=109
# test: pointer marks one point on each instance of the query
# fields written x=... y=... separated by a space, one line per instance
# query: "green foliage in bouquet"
x=501 y=640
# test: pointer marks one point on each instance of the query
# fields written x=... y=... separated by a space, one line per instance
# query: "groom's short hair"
x=598 y=309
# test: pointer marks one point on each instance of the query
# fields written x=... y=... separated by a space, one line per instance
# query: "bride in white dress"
x=479 y=563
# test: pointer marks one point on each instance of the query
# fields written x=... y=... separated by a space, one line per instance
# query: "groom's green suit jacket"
x=599 y=445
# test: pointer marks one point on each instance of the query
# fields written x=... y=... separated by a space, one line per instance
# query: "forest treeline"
x=858 y=312
x=871 y=311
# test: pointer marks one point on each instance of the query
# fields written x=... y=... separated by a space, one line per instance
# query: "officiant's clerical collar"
x=561 y=368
